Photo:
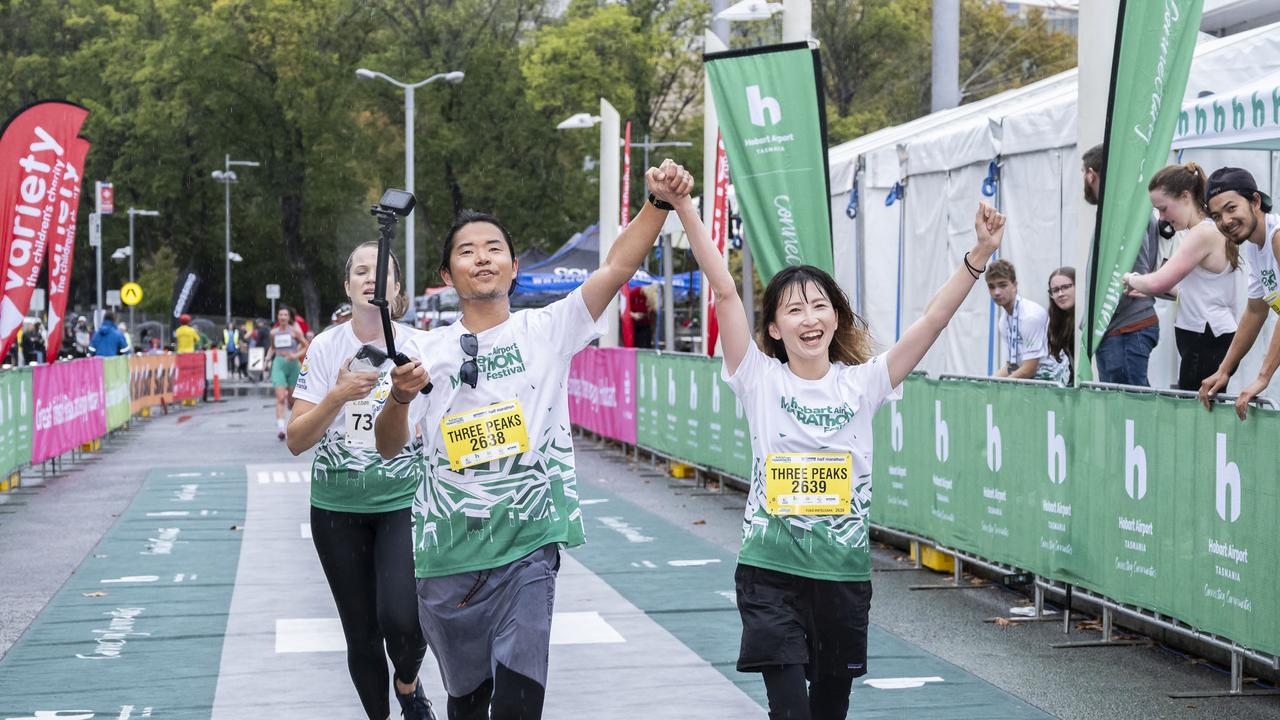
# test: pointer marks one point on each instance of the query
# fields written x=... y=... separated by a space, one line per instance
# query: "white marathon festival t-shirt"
x=1263 y=270
x=500 y=480
x=1025 y=332
x=348 y=474
x=789 y=415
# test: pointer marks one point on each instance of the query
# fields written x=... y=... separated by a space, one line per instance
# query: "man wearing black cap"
x=1243 y=214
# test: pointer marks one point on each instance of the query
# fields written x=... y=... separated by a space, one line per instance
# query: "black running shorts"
x=792 y=620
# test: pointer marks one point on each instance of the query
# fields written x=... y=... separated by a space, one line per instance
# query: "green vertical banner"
x=1155 y=42
x=772 y=117
x=115 y=382
x=16 y=417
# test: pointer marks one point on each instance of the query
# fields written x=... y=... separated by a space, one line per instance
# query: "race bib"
x=1273 y=299
x=359 y=421
x=284 y=340
x=478 y=436
x=808 y=483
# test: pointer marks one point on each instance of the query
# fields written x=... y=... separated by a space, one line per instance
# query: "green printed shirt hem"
x=431 y=567
x=811 y=573
x=384 y=493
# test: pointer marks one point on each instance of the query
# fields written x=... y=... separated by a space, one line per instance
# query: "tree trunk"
x=291 y=207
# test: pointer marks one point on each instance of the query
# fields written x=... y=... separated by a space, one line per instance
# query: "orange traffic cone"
x=217 y=385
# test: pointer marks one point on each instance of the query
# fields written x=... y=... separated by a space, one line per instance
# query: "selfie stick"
x=393 y=205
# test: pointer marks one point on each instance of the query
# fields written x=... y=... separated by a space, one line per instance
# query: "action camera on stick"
x=393 y=205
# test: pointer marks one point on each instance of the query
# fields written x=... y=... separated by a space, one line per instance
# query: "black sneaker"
x=416 y=706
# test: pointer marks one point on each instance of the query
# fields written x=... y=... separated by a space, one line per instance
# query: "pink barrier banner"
x=70 y=406
x=602 y=392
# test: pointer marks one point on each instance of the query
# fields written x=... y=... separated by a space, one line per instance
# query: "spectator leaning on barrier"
x=108 y=341
x=1059 y=364
x=1125 y=350
x=1202 y=269
x=1243 y=215
x=1024 y=325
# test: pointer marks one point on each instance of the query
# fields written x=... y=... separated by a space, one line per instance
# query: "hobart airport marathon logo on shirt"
x=827 y=418
x=498 y=363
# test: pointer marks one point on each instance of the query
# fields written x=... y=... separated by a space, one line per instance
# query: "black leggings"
x=1201 y=354
x=507 y=696
x=792 y=697
x=368 y=561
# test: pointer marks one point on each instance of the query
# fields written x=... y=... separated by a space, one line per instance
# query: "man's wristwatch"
x=660 y=204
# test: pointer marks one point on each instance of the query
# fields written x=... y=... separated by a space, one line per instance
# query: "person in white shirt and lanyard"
x=809 y=390
x=1243 y=214
x=500 y=493
x=1023 y=325
x=360 y=520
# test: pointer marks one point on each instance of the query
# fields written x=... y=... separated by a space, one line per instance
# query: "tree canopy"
x=176 y=86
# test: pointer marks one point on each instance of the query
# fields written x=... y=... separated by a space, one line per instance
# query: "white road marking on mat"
x=729 y=595
x=132 y=579
x=304 y=635
x=692 y=563
x=593 y=501
x=264 y=477
x=295 y=476
x=623 y=528
x=277 y=476
x=170 y=513
x=179 y=577
x=902 y=683
x=582 y=628
x=305 y=529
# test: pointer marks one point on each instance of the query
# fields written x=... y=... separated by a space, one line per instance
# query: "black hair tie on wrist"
x=975 y=272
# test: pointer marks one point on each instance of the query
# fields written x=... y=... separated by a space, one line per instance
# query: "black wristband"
x=975 y=272
x=392 y=393
x=660 y=204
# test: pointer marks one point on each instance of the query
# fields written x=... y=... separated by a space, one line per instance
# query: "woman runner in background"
x=284 y=354
x=809 y=391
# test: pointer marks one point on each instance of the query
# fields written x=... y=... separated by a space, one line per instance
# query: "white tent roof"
x=1246 y=118
x=1223 y=17
x=1039 y=116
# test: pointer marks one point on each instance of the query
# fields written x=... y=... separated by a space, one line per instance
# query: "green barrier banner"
x=16 y=413
x=771 y=112
x=1155 y=42
x=1148 y=500
x=686 y=411
x=115 y=381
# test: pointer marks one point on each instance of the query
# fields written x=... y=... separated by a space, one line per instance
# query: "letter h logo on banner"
x=995 y=449
x=941 y=436
x=758 y=105
x=1227 y=480
x=1135 y=465
x=895 y=427
x=1057 y=453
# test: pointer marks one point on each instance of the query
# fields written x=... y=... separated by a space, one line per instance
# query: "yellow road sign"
x=131 y=293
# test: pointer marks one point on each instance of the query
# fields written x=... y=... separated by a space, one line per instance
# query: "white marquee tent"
x=891 y=258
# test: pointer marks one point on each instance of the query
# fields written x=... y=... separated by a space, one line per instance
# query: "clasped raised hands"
x=669 y=182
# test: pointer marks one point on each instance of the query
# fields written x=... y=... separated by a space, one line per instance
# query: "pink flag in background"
x=70 y=406
x=62 y=243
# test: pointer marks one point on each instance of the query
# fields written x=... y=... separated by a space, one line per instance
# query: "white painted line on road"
x=729 y=595
x=692 y=563
x=306 y=531
x=310 y=635
x=277 y=476
x=264 y=477
x=593 y=501
x=182 y=475
x=295 y=476
x=623 y=528
x=170 y=513
x=901 y=683
x=582 y=628
x=132 y=579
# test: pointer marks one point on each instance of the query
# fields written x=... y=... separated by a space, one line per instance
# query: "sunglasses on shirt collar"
x=469 y=373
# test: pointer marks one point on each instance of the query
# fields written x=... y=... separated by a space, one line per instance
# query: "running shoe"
x=279 y=434
x=416 y=706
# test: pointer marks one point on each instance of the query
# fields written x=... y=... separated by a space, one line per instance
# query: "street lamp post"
x=132 y=212
x=227 y=176
x=454 y=77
